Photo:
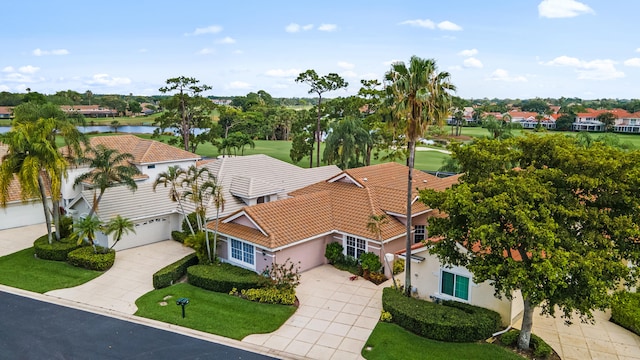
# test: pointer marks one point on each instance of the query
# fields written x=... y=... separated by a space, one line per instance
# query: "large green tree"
x=186 y=111
x=108 y=167
x=320 y=85
x=347 y=143
x=421 y=97
x=545 y=216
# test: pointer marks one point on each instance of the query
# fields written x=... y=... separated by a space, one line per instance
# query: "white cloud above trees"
x=563 y=9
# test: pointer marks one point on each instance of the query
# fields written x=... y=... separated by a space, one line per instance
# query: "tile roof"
x=144 y=151
x=15 y=190
x=342 y=204
x=248 y=187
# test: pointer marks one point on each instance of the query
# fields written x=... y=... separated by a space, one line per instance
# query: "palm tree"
x=173 y=176
x=110 y=167
x=35 y=161
x=214 y=190
x=119 y=226
x=375 y=224
x=192 y=180
x=421 y=97
x=346 y=142
x=85 y=230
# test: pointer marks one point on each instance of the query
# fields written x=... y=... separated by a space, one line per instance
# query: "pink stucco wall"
x=310 y=253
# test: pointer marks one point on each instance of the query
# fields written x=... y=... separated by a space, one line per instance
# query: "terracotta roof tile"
x=144 y=151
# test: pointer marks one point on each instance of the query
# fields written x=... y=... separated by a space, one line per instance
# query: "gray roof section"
x=250 y=188
x=142 y=203
x=264 y=173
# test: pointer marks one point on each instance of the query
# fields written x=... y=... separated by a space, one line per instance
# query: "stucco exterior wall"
x=21 y=214
x=310 y=253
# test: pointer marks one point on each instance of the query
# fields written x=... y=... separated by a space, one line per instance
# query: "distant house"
x=335 y=210
x=18 y=211
x=92 y=111
x=6 y=112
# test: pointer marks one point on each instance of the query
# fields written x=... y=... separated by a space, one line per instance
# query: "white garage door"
x=147 y=232
x=19 y=214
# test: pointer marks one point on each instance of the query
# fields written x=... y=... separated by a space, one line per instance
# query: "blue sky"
x=493 y=48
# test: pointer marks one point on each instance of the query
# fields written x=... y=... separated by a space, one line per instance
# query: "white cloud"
x=345 y=65
x=563 y=9
x=472 y=63
x=292 y=28
x=205 y=51
x=28 y=69
x=599 y=69
x=632 y=62
x=449 y=26
x=328 y=27
x=39 y=52
x=106 y=80
x=238 y=85
x=8 y=69
x=213 y=29
x=503 y=75
x=227 y=40
x=283 y=72
x=469 y=52
x=426 y=23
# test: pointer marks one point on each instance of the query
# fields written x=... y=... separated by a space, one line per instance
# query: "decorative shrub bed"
x=85 y=257
x=450 y=321
x=171 y=273
x=178 y=236
x=540 y=349
x=269 y=295
x=625 y=311
x=224 y=277
x=57 y=250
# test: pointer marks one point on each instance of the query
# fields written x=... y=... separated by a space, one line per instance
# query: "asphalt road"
x=32 y=329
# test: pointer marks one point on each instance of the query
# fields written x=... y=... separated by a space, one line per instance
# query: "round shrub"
x=370 y=262
x=541 y=350
x=333 y=253
x=224 y=277
x=625 y=311
x=56 y=251
x=398 y=266
x=85 y=257
x=178 y=236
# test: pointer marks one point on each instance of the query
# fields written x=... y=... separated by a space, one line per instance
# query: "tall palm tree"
x=109 y=168
x=214 y=190
x=194 y=177
x=173 y=177
x=421 y=97
x=119 y=226
x=346 y=142
x=35 y=161
x=85 y=230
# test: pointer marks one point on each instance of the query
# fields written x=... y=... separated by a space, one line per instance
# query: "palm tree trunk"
x=527 y=324
x=215 y=234
x=95 y=204
x=56 y=217
x=185 y=216
x=407 y=267
x=318 y=132
x=47 y=216
x=206 y=239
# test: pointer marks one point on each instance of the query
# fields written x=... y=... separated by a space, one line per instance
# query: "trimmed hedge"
x=84 y=257
x=450 y=321
x=224 y=277
x=270 y=295
x=625 y=311
x=178 y=236
x=169 y=274
x=539 y=347
x=57 y=251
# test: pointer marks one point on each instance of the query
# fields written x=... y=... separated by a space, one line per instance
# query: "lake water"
x=121 y=129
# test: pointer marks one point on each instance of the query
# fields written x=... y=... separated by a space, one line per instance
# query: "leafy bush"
x=271 y=295
x=333 y=252
x=171 y=273
x=178 y=236
x=57 y=251
x=224 y=277
x=193 y=219
x=285 y=275
x=541 y=350
x=197 y=243
x=85 y=257
x=625 y=311
x=66 y=226
x=377 y=278
x=385 y=316
x=450 y=321
x=398 y=266
x=370 y=262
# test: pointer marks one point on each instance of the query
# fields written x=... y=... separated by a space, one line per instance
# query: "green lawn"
x=390 y=341
x=22 y=270
x=215 y=313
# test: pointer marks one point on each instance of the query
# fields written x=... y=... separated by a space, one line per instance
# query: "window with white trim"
x=454 y=285
x=418 y=233
x=355 y=247
x=242 y=252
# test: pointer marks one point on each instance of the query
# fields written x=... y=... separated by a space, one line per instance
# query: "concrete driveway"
x=129 y=278
x=334 y=320
x=16 y=239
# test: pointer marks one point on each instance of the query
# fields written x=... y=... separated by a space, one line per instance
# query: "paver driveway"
x=334 y=320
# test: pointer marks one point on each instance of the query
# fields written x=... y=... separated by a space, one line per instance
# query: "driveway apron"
x=334 y=320
x=16 y=239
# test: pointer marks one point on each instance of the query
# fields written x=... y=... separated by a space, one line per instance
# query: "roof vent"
x=424 y=181
x=364 y=179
